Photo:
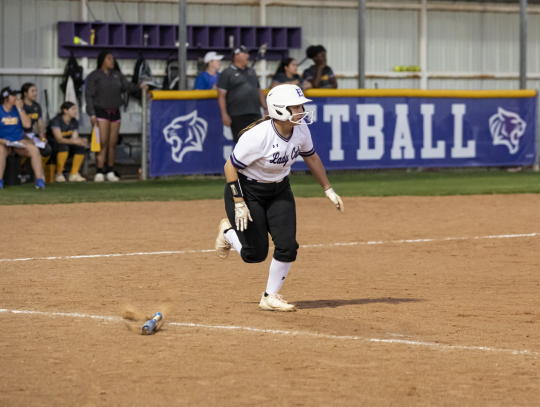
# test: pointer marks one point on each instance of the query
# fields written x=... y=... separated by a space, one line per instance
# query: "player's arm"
x=262 y=98
x=25 y=120
x=332 y=79
x=57 y=133
x=316 y=81
x=316 y=167
x=222 y=102
x=76 y=139
x=41 y=128
x=241 y=211
x=231 y=175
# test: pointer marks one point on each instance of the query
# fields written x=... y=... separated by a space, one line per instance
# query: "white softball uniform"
x=265 y=155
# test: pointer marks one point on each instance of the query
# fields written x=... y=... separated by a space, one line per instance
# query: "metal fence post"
x=144 y=142
x=523 y=44
x=361 y=44
x=536 y=166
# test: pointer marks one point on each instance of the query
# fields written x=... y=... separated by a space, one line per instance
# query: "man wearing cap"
x=239 y=95
x=207 y=79
x=12 y=120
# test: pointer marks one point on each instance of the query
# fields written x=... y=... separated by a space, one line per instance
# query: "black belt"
x=242 y=176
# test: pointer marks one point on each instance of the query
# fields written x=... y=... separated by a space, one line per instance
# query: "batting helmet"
x=281 y=97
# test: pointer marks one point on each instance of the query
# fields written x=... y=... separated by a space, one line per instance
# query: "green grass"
x=464 y=182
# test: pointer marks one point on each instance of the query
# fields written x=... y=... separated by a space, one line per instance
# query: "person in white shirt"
x=258 y=189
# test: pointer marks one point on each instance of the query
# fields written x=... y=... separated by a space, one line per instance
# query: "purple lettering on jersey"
x=278 y=159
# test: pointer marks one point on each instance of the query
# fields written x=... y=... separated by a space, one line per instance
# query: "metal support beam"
x=361 y=44
x=182 y=46
x=144 y=140
x=460 y=6
x=523 y=44
x=84 y=11
x=262 y=22
x=423 y=46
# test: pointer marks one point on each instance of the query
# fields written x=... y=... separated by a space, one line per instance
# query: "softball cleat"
x=76 y=178
x=223 y=246
x=275 y=302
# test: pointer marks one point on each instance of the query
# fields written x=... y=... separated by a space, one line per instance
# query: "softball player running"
x=258 y=189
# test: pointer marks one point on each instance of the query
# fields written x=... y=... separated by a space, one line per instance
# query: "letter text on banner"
x=373 y=132
x=428 y=151
x=362 y=132
x=403 y=145
x=458 y=151
x=336 y=114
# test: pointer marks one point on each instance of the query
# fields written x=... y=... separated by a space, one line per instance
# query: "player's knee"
x=254 y=256
x=33 y=151
x=47 y=151
x=287 y=253
x=79 y=150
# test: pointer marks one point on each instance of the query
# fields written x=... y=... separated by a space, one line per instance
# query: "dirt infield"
x=391 y=311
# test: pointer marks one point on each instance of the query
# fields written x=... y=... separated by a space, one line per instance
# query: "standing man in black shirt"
x=239 y=94
x=319 y=75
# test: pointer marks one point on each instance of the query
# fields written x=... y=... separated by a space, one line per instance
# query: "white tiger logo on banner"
x=186 y=133
x=506 y=128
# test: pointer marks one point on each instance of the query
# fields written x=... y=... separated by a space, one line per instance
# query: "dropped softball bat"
x=150 y=327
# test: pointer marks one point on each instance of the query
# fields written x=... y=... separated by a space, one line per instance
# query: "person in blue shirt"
x=207 y=79
x=12 y=120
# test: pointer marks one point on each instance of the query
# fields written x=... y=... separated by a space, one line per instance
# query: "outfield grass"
x=357 y=184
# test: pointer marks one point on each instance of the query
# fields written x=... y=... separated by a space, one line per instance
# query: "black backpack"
x=74 y=71
x=171 y=74
x=142 y=72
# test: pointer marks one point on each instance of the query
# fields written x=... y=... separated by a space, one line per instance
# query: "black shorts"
x=108 y=115
x=46 y=151
x=72 y=149
x=273 y=211
x=239 y=123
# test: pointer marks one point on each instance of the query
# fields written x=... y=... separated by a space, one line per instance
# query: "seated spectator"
x=65 y=129
x=319 y=75
x=37 y=129
x=12 y=120
x=287 y=73
x=207 y=79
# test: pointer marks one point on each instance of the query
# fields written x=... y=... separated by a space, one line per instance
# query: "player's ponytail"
x=253 y=125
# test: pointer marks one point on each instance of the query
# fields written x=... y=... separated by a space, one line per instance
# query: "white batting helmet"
x=281 y=97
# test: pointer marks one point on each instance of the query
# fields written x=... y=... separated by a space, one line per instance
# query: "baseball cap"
x=8 y=90
x=240 y=49
x=212 y=56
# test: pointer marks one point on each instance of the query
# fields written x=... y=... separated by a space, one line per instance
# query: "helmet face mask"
x=279 y=100
x=306 y=116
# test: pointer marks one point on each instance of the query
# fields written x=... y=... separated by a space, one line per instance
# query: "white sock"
x=232 y=237
x=278 y=272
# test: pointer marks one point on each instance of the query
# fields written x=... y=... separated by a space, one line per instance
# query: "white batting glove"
x=241 y=216
x=336 y=200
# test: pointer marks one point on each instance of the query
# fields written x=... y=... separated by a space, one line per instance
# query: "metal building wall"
x=457 y=42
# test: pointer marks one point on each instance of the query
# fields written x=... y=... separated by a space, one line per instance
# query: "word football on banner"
x=361 y=132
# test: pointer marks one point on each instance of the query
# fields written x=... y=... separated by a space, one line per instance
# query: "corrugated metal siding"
x=473 y=84
x=458 y=42
x=473 y=42
x=28 y=40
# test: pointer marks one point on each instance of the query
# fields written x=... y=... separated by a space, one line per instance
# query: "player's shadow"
x=360 y=301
